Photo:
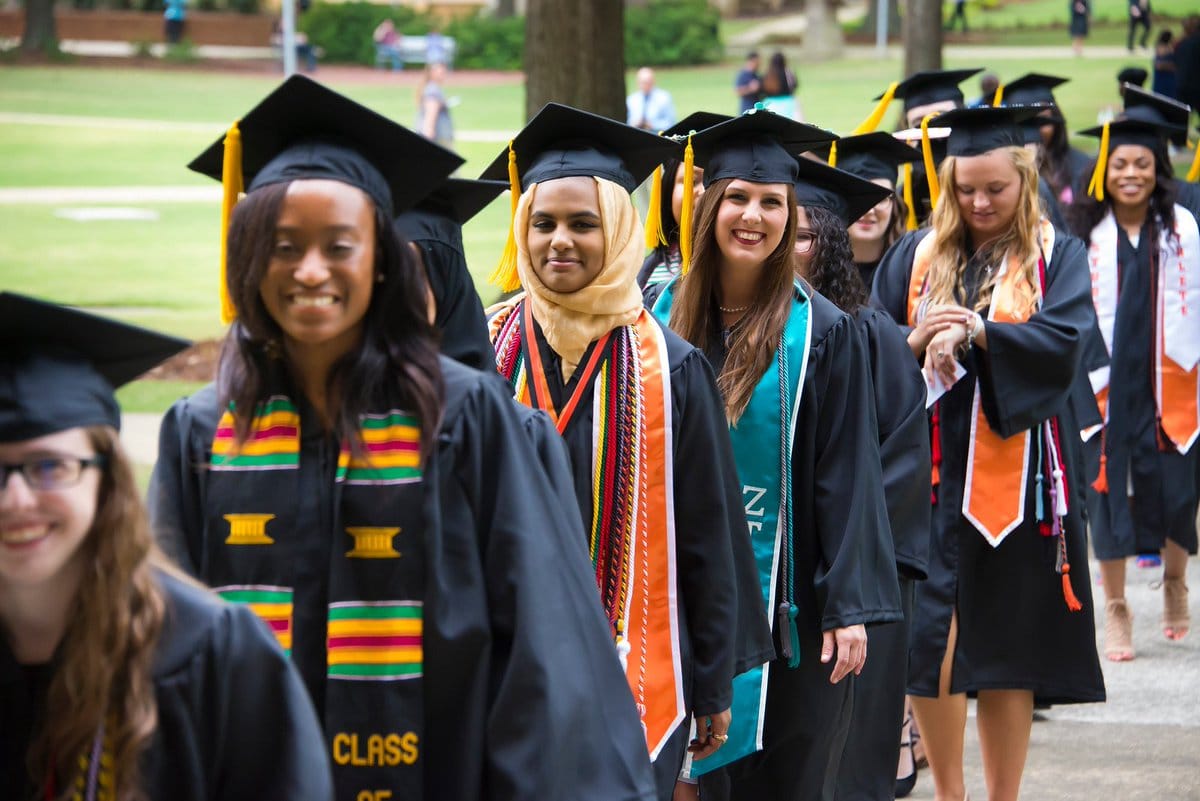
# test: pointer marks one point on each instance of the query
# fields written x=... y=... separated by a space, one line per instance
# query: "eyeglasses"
x=43 y=473
x=804 y=242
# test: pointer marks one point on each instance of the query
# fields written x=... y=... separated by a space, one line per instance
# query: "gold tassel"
x=875 y=117
x=505 y=275
x=685 y=213
x=930 y=169
x=910 y=222
x=833 y=154
x=1096 y=185
x=232 y=186
x=998 y=98
x=1193 y=173
x=654 y=226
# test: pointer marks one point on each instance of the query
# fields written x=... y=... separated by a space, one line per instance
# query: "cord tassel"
x=1068 y=592
x=654 y=227
x=998 y=98
x=833 y=154
x=1100 y=485
x=505 y=275
x=930 y=169
x=232 y=186
x=910 y=220
x=1193 y=173
x=789 y=634
x=1096 y=185
x=875 y=117
x=685 y=211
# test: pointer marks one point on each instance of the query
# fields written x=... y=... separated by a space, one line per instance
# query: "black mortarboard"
x=564 y=142
x=460 y=199
x=974 y=131
x=1148 y=120
x=1031 y=89
x=695 y=122
x=872 y=155
x=757 y=146
x=931 y=86
x=843 y=193
x=1158 y=110
x=305 y=130
x=1132 y=75
x=59 y=366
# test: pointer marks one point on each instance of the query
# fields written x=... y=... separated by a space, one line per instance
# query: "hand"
x=850 y=644
x=711 y=733
x=686 y=791
x=939 y=356
x=938 y=319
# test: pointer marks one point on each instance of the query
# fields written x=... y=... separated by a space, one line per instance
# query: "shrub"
x=672 y=32
x=344 y=30
x=488 y=43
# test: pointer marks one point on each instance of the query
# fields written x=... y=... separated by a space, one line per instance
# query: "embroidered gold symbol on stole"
x=248 y=530
x=372 y=543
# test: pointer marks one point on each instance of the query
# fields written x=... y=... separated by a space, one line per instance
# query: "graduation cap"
x=696 y=121
x=973 y=132
x=565 y=142
x=1135 y=76
x=59 y=366
x=845 y=194
x=303 y=130
x=1159 y=110
x=871 y=155
x=919 y=89
x=1148 y=120
x=440 y=215
x=1030 y=89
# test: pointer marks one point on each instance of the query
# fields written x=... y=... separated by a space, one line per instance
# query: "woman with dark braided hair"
x=828 y=201
x=1144 y=249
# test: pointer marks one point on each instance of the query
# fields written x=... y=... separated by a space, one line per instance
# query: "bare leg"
x=1175 y=609
x=1005 y=718
x=943 y=723
x=1118 y=621
x=1112 y=572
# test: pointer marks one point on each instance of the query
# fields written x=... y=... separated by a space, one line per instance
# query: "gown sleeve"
x=460 y=318
x=552 y=655
x=855 y=578
x=551 y=450
x=1028 y=369
x=724 y=611
x=889 y=291
x=904 y=458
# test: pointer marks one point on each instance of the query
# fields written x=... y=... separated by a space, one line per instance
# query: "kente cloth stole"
x=632 y=531
x=997 y=467
x=94 y=780
x=766 y=477
x=370 y=618
x=1176 y=319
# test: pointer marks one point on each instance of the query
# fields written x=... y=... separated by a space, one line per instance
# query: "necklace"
x=737 y=310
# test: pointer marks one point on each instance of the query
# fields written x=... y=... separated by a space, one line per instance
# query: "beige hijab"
x=572 y=321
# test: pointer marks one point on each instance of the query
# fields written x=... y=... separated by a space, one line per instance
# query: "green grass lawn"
x=1023 y=14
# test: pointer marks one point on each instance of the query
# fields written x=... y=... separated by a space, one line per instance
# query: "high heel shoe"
x=905 y=784
x=1176 y=618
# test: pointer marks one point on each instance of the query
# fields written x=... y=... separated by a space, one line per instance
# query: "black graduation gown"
x=866 y=269
x=868 y=770
x=1164 y=481
x=664 y=260
x=1051 y=208
x=1014 y=629
x=724 y=628
x=844 y=562
x=516 y=649
x=233 y=718
x=460 y=316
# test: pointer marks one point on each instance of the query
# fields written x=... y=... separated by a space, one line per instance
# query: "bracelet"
x=976 y=328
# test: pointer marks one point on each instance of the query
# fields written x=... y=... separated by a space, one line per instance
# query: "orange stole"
x=997 y=467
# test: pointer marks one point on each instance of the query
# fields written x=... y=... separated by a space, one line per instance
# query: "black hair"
x=832 y=270
x=396 y=363
x=1054 y=157
x=1086 y=212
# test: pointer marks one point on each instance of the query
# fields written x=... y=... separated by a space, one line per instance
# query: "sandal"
x=1118 y=631
x=905 y=784
x=919 y=758
x=1176 y=618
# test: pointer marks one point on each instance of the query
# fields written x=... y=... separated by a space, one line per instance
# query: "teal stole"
x=766 y=477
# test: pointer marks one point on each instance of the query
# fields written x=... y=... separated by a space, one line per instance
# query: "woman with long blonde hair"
x=112 y=666
x=792 y=369
x=994 y=302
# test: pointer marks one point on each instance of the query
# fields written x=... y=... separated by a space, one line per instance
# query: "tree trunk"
x=505 y=8
x=40 y=34
x=575 y=54
x=872 y=18
x=823 y=40
x=922 y=35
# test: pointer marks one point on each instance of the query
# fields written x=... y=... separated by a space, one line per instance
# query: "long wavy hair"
x=397 y=361
x=107 y=652
x=696 y=317
x=1021 y=241
x=1085 y=212
x=831 y=266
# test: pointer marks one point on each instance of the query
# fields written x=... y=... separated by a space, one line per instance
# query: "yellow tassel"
x=505 y=275
x=930 y=168
x=833 y=155
x=685 y=212
x=1193 y=173
x=232 y=187
x=1096 y=185
x=875 y=117
x=910 y=222
x=998 y=98
x=654 y=226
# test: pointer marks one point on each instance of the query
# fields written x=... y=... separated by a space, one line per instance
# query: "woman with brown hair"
x=792 y=369
x=995 y=304
x=114 y=669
